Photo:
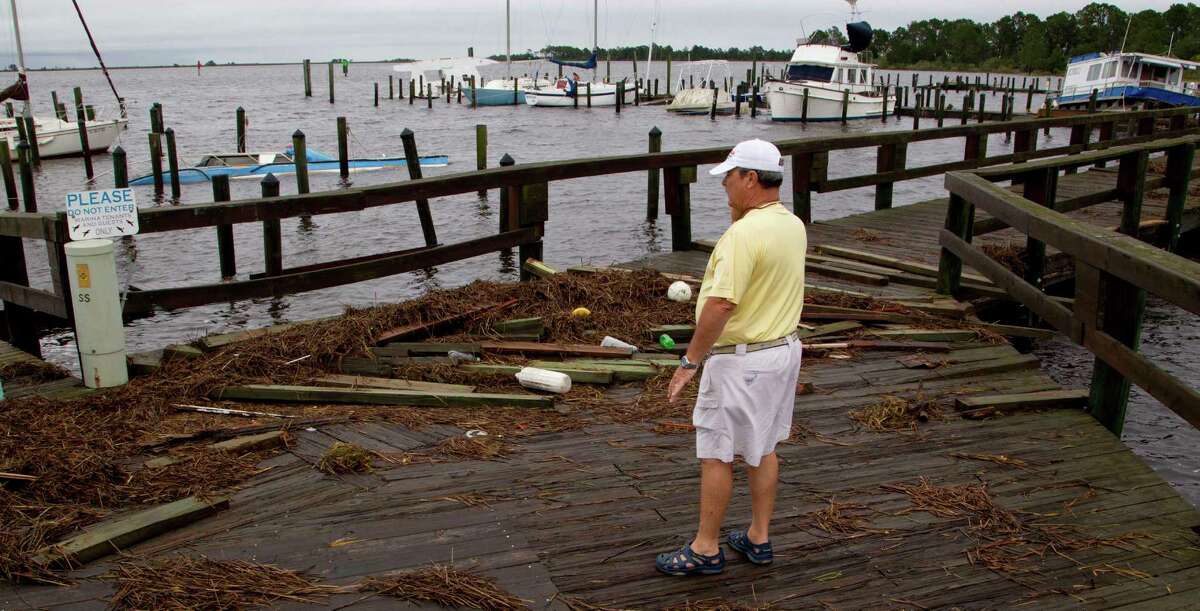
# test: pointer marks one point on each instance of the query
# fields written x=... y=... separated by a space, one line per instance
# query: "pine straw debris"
x=445 y=586
x=31 y=372
x=1000 y=459
x=455 y=449
x=1006 y=540
x=897 y=414
x=842 y=519
x=1009 y=254
x=201 y=583
x=343 y=457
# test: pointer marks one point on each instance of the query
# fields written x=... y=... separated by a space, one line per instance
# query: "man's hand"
x=678 y=381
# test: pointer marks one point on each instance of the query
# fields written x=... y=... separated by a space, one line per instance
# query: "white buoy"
x=679 y=291
x=98 y=326
x=544 y=379
x=612 y=342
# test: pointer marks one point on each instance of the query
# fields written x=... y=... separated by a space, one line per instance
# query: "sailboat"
x=564 y=92
x=510 y=90
x=55 y=137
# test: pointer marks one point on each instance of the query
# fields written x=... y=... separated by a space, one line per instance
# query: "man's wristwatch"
x=684 y=363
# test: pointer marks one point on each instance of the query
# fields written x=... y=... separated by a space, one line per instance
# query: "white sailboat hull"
x=787 y=103
x=57 y=138
x=601 y=96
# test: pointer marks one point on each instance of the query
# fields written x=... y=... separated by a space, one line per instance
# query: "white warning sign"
x=101 y=214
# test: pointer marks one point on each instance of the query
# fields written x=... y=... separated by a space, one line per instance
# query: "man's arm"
x=716 y=313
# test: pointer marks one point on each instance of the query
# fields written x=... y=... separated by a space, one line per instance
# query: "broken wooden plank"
x=580 y=375
x=181 y=351
x=885 y=261
x=538 y=268
x=1015 y=331
x=809 y=286
x=898 y=346
x=220 y=340
x=120 y=533
x=144 y=363
x=987 y=405
x=626 y=371
x=333 y=379
x=597 y=269
x=830 y=329
x=424 y=348
x=430 y=327
x=551 y=348
x=375 y=396
x=928 y=335
x=249 y=443
x=846 y=274
x=520 y=325
x=225 y=411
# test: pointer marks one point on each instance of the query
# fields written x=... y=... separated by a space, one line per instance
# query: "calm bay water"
x=595 y=220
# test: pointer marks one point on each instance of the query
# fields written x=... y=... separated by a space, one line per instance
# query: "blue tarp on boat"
x=590 y=64
x=317 y=162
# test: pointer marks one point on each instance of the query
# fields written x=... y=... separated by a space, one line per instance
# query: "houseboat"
x=1126 y=81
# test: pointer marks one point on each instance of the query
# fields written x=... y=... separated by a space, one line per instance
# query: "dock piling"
x=413 y=161
x=28 y=190
x=429 y=95
x=804 y=107
x=883 y=115
x=156 y=161
x=300 y=156
x=343 y=148
x=845 y=104
x=737 y=99
x=173 y=163
x=754 y=101
x=481 y=145
x=376 y=94
x=61 y=114
x=677 y=202
x=271 y=232
x=412 y=91
x=391 y=87
x=120 y=168
x=620 y=96
x=652 y=175
x=308 y=78
x=241 y=129
x=712 y=111
x=10 y=180
x=225 y=248
x=588 y=91
x=505 y=161
x=83 y=135
x=331 y=82
x=34 y=148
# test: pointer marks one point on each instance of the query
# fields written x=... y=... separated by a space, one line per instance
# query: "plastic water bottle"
x=1 y=390
x=612 y=342
x=666 y=342
x=464 y=357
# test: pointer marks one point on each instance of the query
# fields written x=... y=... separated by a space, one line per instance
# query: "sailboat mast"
x=596 y=32
x=20 y=52
x=508 y=35
x=653 y=32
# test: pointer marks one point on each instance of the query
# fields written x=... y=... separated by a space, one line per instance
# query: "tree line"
x=1021 y=41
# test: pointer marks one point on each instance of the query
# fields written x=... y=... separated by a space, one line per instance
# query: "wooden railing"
x=524 y=208
x=1114 y=270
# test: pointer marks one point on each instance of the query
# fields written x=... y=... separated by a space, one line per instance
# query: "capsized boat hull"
x=205 y=174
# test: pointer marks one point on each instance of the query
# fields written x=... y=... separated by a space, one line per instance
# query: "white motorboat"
x=453 y=72
x=563 y=93
x=832 y=76
x=699 y=100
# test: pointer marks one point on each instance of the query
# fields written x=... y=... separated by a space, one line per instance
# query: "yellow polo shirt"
x=758 y=264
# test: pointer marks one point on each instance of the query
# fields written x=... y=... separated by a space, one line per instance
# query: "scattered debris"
x=455 y=449
x=181 y=582
x=1009 y=254
x=344 y=457
x=445 y=586
x=842 y=518
x=999 y=459
x=896 y=414
x=865 y=235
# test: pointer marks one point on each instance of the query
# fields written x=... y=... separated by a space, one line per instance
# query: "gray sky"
x=173 y=31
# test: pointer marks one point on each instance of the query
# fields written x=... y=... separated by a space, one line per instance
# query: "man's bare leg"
x=764 y=482
x=716 y=486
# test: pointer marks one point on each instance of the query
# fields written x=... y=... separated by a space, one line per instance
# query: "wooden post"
x=61 y=114
x=83 y=135
x=28 y=190
x=241 y=129
x=391 y=87
x=331 y=82
x=300 y=157
x=940 y=100
x=532 y=211
x=377 y=94
x=1029 y=97
x=343 y=148
x=966 y=108
x=156 y=161
x=10 y=180
x=481 y=145
x=308 y=78
x=737 y=100
x=156 y=118
x=883 y=115
x=120 y=169
x=655 y=146
x=31 y=137
x=1091 y=107
x=668 y=75
x=225 y=247
x=589 y=94
x=804 y=167
x=845 y=104
x=173 y=163
x=575 y=97
x=620 y=96
x=804 y=107
x=21 y=321
x=982 y=107
x=1046 y=114
x=272 y=234
x=1108 y=131
x=960 y=218
x=413 y=161
x=429 y=95
x=712 y=111
x=1123 y=304
x=1040 y=187
x=1024 y=143
x=889 y=158
x=505 y=161
x=516 y=93
x=754 y=101
x=1179 y=175
x=917 y=110
x=678 y=204
x=89 y=112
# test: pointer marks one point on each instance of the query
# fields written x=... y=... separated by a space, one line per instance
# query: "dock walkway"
x=1044 y=507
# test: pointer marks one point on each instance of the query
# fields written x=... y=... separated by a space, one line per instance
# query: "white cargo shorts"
x=745 y=403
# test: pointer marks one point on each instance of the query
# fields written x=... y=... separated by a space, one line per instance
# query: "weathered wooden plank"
x=1023 y=401
x=845 y=274
x=928 y=335
x=249 y=443
x=429 y=328
x=554 y=349
x=830 y=329
x=923 y=269
x=333 y=379
x=578 y=375
x=120 y=533
x=424 y=348
x=375 y=396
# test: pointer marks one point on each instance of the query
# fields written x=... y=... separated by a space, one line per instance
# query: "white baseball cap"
x=751 y=155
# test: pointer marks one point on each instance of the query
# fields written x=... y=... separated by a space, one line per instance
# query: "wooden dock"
x=971 y=507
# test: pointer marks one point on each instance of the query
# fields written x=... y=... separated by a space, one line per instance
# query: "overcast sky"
x=182 y=31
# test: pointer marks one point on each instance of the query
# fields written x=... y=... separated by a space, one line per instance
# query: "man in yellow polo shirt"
x=746 y=316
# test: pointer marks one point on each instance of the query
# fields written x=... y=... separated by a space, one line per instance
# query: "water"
x=594 y=220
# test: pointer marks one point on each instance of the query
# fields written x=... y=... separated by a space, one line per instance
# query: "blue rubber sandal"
x=684 y=561
x=757 y=553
